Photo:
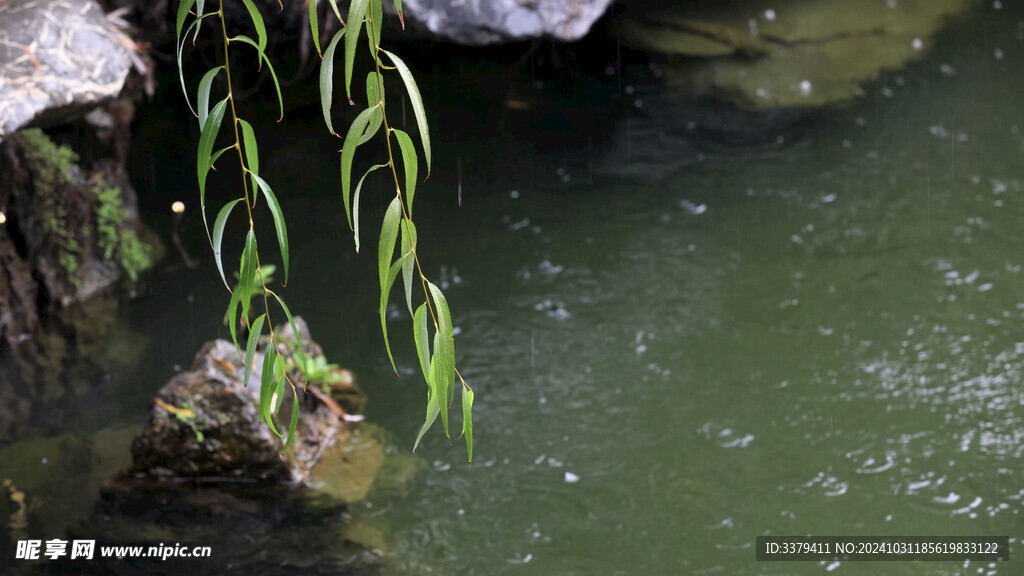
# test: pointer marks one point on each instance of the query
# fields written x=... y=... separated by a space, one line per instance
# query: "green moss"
x=53 y=170
x=117 y=240
x=51 y=166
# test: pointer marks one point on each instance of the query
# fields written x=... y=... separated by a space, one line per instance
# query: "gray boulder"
x=480 y=22
x=58 y=59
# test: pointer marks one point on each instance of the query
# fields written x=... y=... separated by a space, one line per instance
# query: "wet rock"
x=58 y=60
x=69 y=231
x=204 y=424
x=761 y=54
x=480 y=22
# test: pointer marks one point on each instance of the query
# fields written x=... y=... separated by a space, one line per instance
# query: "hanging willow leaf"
x=388 y=235
x=444 y=348
x=295 y=409
x=433 y=408
x=327 y=79
x=204 y=94
x=422 y=339
x=384 y=292
x=270 y=67
x=261 y=29
x=417 y=104
x=408 y=234
x=298 y=351
x=181 y=72
x=467 y=420
x=250 y=348
x=374 y=16
x=355 y=201
x=314 y=29
x=348 y=153
x=183 y=10
x=334 y=6
x=411 y=164
x=373 y=99
x=356 y=13
x=218 y=237
x=438 y=383
x=236 y=297
x=279 y=225
x=247 y=273
x=267 y=381
x=398 y=9
x=203 y=157
x=252 y=154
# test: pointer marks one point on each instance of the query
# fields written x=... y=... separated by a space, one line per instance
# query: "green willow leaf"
x=433 y=409
x=200 y=8
x=183 y=10
x=438 y=382
x=374 y=16
x=348 y=153
x=444 y=347
x=373 y=99
x=356 y=13
x=355 y=202
x=218 y=153
x=295 y=408
x=327 y=79
x=217 y=240
x=248 y=273
x=388 y=235
x=334 y=6
x=236 y=297
x=261 y=29
x=252 y=154
x=384 y=293
x=408 y=232
x=422 y=338
x=398 y=9
x=270 y=67
x=204 y=94
x=181 y=72
x=314 y=29
x=298 y=351
x=467 y=420
x=267 y=381
x=279 y=391
x=417 y=104
x=203 y=157
x=279 y=225
x=250 y=348
x=411 y=164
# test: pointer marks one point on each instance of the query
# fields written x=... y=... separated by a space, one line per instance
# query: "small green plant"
x=317 y=371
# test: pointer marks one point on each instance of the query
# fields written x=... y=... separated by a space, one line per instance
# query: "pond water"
x=680 y=344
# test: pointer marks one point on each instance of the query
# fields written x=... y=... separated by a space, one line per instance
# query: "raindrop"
x=571 y=478
x=513 y=194
x=769 y=15
x=917 y=44
x=998 y=54
x=805 y=87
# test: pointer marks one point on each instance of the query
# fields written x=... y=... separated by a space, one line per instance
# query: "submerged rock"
x=761 y=54
x=204 y=424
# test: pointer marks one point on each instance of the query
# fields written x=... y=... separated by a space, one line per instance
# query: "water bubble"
x=917 y=44
x=762 y=93
x=769 y=15
x=805 y=87
x=513 y=194
x=998 y=53
x=691 y=208
x=947 y=69
x=571 y=478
